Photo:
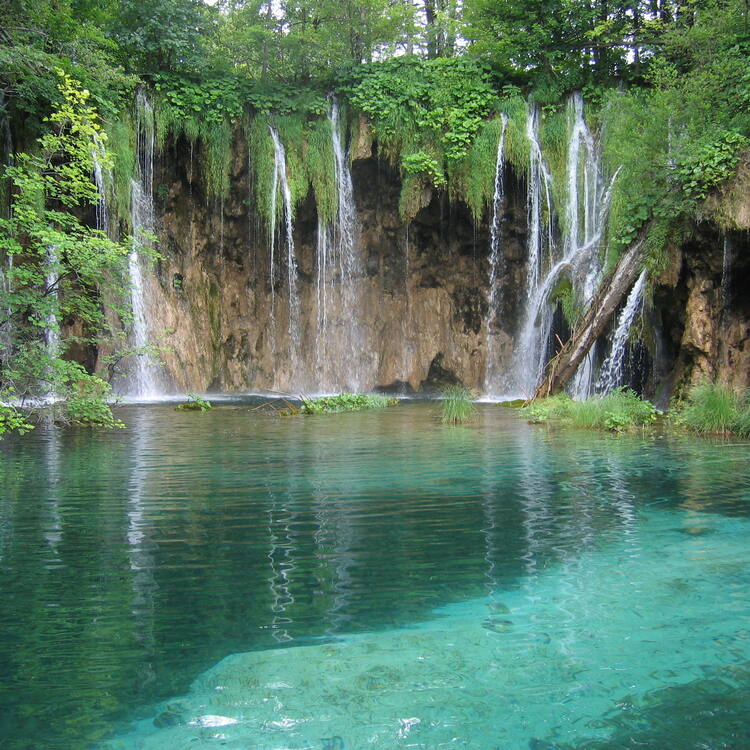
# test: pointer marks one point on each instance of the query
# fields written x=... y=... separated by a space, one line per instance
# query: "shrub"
x=457 y=405
x=196 y=403
x=345 y=402
x=12 y=420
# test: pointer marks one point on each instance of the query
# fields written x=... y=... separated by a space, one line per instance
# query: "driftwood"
x=562 y=367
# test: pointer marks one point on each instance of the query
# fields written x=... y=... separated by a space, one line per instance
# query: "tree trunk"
x=562 y=367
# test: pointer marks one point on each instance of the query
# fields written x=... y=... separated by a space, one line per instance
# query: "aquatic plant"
x=617 y=411
x=196 y=403
x=345 y=402
x=457 y=405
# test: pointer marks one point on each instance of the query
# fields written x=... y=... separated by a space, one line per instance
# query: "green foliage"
x=196 y=403
x=676 y=141
x=212 y=100
x=710 y=408
x=163 y=35
x=86 y=400
x=318 y=164
x=457 y=406
x=473 y=178
x=13 y=420
x=291 y=131
x=555 y=127
x=260 y=150
x=617 y=411
x=345 y=402
x=60 y=268
x=741 y=423
x=424 y=113
x=564 y=294
x=425 y=164
x=710 y=163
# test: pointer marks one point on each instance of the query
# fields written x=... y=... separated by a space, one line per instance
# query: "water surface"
x=376 y=579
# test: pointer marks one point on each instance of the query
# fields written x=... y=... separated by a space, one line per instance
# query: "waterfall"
x=584 y=221
x=537 y=320
x=612 y=374
x=100 y=179
x=281 y=183
x=586 y=196
x=51 y=323
x=339 y=344
x=142 y=221
x=497 y=263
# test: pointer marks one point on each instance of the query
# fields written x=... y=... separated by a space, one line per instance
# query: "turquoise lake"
x=236 y=580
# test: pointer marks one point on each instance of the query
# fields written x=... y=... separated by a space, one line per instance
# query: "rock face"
x=704 y=311
x=421 y=291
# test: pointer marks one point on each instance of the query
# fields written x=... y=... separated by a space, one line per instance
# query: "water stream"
x=281 y=185
x=51 y=322
x=531 y=341
x=612 y=373
x=341 y=348
x=583 y=224
x=492 y=384
x=144 y=377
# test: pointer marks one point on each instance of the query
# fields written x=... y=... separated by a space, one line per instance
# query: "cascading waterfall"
x=588 y=198
x=339 y=345
x=281 y=183
x=612 y=374
x=51 y=324
x=144 y=376
x=537 y=320
x=497 y=264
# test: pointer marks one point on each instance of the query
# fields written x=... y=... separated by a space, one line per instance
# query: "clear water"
x=375 y=580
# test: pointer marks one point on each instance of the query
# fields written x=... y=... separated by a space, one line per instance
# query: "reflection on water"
x=134 y=562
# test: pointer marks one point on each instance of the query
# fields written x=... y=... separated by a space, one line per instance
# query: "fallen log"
x=562 y=367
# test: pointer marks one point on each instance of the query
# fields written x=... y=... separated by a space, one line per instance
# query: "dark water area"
x=133 y=561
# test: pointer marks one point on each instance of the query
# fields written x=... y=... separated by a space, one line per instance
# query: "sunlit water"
x=238 y=580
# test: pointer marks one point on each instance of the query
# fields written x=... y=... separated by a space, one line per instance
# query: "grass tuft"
x=618 y=411
x=712 y=408
x=457 y=405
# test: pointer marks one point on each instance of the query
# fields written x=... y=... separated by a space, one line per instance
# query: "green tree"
x=55 y=269
x=164 y=35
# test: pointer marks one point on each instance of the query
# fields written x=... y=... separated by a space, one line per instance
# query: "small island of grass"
x=345 y=402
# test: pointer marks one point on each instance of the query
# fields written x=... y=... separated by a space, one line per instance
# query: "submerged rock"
x=496 y=625
x=697 y=530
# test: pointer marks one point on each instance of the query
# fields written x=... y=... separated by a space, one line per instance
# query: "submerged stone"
x=496 y=625
x=697 y=530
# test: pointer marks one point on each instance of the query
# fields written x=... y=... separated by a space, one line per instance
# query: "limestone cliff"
x=421 y=290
